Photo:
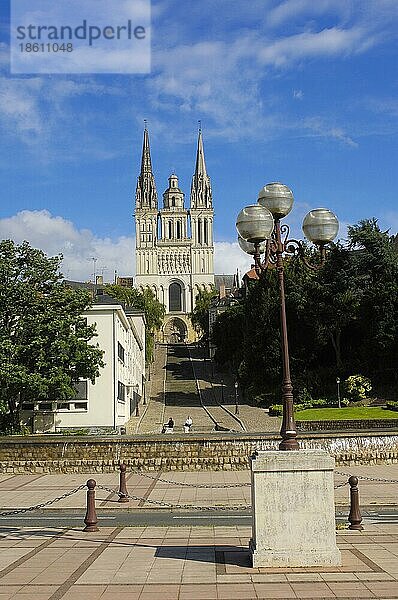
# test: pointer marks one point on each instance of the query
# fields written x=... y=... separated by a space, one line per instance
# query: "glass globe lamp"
x=278 y=198
x=320 y=226
x=248 y=247
x=255 y=223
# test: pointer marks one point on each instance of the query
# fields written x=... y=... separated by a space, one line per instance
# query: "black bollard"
x=91 y=516
x=123 y=493
x=355 y=516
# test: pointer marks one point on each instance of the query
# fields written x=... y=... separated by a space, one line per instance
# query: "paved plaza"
x=182 y=563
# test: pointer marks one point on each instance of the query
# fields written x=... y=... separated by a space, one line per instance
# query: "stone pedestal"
x=293 y=509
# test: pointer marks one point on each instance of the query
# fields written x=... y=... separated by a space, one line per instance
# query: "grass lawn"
x=339 y=414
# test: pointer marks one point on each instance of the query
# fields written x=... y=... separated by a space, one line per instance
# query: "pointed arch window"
x=199 y=231
x=205 y=232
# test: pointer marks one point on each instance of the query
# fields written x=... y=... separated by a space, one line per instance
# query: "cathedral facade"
x=174 y=244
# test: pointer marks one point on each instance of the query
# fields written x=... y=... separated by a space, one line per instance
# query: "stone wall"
x=89 y=454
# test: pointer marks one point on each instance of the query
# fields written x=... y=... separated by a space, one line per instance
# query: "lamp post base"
x=293 y=510
x=289 y=444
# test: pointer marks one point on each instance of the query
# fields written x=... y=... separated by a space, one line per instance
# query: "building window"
x=199 y=231
x=63 y=406
x=170 y=230
x=120 y=351
x=178 y=227
x=173 y=201
x=205 y=231
x=175 y=297
x=121 y=392
x=81 y=390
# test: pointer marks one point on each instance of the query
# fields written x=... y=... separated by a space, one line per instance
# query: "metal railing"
x=90 y=520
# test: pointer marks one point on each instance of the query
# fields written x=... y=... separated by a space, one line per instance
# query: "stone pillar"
x=293 y=509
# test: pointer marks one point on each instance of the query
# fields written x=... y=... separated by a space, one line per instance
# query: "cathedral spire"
x=200 y=168
x=201 y=196
x=146 y=195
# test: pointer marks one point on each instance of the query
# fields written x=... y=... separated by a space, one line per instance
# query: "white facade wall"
x=104 y=405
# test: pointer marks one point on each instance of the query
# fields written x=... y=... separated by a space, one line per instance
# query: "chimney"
x=221 y=293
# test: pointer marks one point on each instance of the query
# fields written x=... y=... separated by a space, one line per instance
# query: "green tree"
x=228 y=335
x=375 y=256
x=145 y=301
x=44 y=340
x=200 y=314
x=332 y=301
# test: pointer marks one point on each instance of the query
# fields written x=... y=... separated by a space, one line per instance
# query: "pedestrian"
x=170 y=425
x=188 y=424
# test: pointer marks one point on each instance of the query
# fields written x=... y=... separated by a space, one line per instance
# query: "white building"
x=109 y=403
x=174 y=245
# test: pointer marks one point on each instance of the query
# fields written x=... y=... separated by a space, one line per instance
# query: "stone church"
x=174 y=243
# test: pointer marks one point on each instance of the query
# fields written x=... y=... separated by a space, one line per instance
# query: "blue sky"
x=298 y=91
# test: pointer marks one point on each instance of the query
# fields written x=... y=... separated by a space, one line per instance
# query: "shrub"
x=358 y=387
x=276 y=410
x=321 y=403
x=392 y=405
x=304 y=396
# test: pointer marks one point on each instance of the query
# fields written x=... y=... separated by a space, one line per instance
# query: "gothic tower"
x=174 y=245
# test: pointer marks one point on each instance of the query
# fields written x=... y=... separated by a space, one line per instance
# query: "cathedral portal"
x=175 y=331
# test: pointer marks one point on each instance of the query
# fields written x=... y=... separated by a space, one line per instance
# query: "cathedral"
x=174 y=244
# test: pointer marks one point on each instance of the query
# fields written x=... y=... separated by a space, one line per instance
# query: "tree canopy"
x=200 y=314
x=148 y=303
x=44 y=341
x=342 y=319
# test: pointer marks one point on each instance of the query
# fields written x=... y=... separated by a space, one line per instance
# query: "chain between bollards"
x=123 y=493
x=355 y=517
x=91 y=515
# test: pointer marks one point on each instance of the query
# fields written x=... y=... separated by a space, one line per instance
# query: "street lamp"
x=338 y=391
x=236 y=398
x=261 y=222
x=222 y=391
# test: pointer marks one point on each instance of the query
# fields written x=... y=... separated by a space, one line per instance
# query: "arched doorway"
x=175 y=331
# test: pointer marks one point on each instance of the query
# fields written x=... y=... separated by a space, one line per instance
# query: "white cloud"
x=222 y=81
x=34 y=108
x=55 y=235
x=19 y=107
x=317 y=127
x=328 y=42
x=228 y=257
x=213 y=80
x=293 y=9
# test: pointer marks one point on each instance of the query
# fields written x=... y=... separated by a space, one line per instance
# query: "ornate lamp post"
x=261 y=222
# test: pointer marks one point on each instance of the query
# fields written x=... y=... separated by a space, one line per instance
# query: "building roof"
x=227 y=280
x=252 y=274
